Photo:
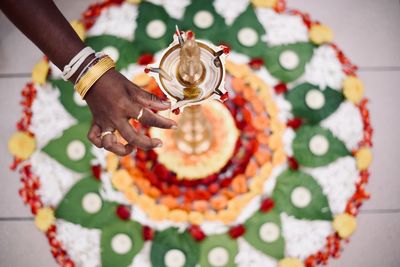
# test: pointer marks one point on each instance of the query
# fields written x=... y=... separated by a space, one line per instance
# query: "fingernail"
x=174 y=127
x=159 y=145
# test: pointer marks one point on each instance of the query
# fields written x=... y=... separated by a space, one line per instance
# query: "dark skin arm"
x=113 y=99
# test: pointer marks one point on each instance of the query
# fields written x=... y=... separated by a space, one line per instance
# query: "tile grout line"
x=14 y=219
x=380 y=211
x=15 y=75
x=382 y=68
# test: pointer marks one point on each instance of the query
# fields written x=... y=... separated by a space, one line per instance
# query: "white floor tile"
x=23 y=245
x=367 y=30
x=17 y=53
x=10 y=112
x=374 y=244
x=382 y=90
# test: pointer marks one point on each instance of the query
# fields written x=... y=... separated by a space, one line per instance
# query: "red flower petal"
x=293 y=164
x=294 y=123
x=69 y=263
x=267 y=205
x=145 y=59
x=256 y=63
x=280 y=88
x=196 y=232
x=237 y=231
x=96 y=171
x=123 y=212
x=148 y=233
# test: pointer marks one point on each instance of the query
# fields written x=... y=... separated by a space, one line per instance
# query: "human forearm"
x=113 y=99
x=41 y=21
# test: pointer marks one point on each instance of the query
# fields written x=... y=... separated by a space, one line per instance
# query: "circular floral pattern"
x=280 y=185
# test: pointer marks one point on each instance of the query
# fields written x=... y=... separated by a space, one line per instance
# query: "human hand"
x=113 y=100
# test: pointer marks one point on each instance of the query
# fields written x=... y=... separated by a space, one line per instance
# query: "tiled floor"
x=367 y=30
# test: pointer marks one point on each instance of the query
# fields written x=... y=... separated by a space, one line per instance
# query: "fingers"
x=149 y=118
x=149 y=100
x=110 y=143
x=94 y=135
x=135 y=138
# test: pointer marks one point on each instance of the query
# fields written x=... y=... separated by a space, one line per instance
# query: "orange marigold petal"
x=219 y=202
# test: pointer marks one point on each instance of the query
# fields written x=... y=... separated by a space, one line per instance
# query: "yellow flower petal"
x=132 y=194
x=345 y=224
x=272 y=108
x=40 y=71
x=44 y=219
x=234 y=204
x=353 y=89
x=257 y=185
x=363 y=158
x=276 y=125
x=79 y=28
x=210 y=215
x=320 y=34
x=264 y=3
x=278 y=157
x=146 y=202
x=275 y=141
x=112 y=162
x=290 y=262
x=142 y=79
x=21 y=145
x=121 y=180
x=237 y=70
x=265 y=170
x=227 y=216
x=256 y=83
x=178 y=216
x=196 y=217
x=158 y=212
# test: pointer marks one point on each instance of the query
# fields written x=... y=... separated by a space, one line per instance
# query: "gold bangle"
x=93 y=74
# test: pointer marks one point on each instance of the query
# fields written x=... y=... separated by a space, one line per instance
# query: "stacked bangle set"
x=92 y=72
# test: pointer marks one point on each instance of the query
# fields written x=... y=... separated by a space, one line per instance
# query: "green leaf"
x=302 y=151
x=215 y=32
x=275 y=249
x=297 y=97
x=247 y=19
x=147 y=13
x=172 y=239
x=317 y=209
x=109 y=258
x=218 y=241
x=70 y=208
x=303 y=50
x=58 y=148
x=81 y=113
x=128 y=52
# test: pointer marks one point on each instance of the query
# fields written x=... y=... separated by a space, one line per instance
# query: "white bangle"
x=96 y=56
x=76 y=62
